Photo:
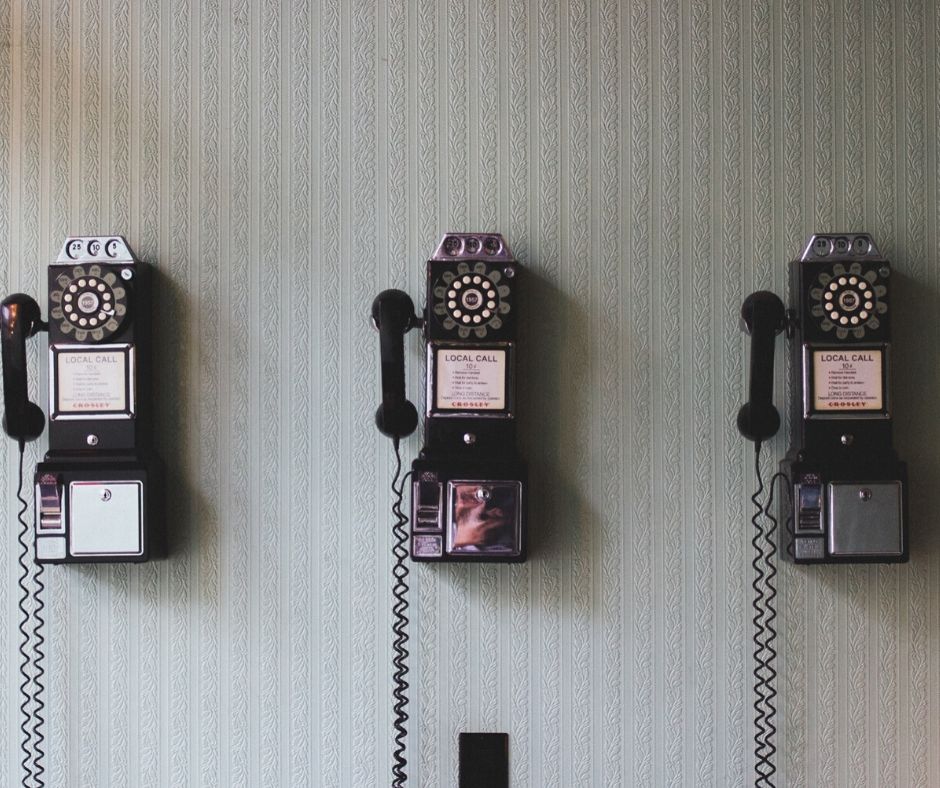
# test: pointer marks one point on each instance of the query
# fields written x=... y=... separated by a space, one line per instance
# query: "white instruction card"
x=91 y=381
x=848 y=380
x=471 y=379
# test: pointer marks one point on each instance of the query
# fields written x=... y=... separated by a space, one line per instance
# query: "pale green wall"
x=282 y=162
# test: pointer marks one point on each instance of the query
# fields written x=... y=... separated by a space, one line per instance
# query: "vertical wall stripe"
x=637 y=260
x=175 y=741
x=236 y=669
x=297 y=595
x=580 y=359
x=272 y=367
x=209 y=501
x=701 y=461
x=732 y=267
x=328 y=681
x=610 y=326
x=671 y=567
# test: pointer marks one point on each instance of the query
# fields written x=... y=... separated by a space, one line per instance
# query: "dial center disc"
x=88 y=302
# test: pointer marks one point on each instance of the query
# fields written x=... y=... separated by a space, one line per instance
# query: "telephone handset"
x=468 y=483
x=847 y=500
x=393 y=314
x=763 y=316
x=96 y=492
x=19 y=319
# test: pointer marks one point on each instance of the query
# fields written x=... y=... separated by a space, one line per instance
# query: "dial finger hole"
x=869 y=305
x=451 y=293
x=830 y=306
x=101 y=287
x=854 y=320
x=828 y=296
x=842 y=280
x=834 y=315
x=68 y=307
x=67 y=297
x=863 y=315
x=457 y=313
x=466 y=318
x=491 y=305
x=486 y=313
x=477 y=318
x=73 y=288
x=451 y=304
x=853 y=280
x=844 y=321
x=457 y=284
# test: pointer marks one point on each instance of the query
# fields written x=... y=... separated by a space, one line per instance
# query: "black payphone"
x=846 y=501
x=97 y=491
x=844 y=488
x=468 y=485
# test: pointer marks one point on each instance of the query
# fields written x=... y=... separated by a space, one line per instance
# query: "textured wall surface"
x=651 y=163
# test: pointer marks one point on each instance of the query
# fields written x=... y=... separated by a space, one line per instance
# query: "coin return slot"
x=810 y=508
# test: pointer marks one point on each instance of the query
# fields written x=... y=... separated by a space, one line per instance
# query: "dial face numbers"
x=89 y=303
x=472 y=300
x=848 y=300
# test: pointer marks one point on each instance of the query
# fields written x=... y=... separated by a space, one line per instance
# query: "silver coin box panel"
x=864 y=519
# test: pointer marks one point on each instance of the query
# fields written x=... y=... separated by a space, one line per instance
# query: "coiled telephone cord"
x=765 y=633
x=31 y=688
x=400 y=624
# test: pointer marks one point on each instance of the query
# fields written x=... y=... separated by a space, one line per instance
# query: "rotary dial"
x=848 y=300
x=471 y=300
x=89 y=302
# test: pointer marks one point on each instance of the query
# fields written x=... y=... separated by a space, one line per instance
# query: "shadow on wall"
x=554 y=431
x=916 y=394
x=173 y=410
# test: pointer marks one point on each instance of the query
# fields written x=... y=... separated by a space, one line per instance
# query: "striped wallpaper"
x=651 y=163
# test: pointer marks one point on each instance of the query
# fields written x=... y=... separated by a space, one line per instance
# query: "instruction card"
x=471 y=379
x=91 y=381
x=848 y=380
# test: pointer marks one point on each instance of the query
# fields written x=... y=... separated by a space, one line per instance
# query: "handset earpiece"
x=20 y=319
x=393 y=314
x=764 y=317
